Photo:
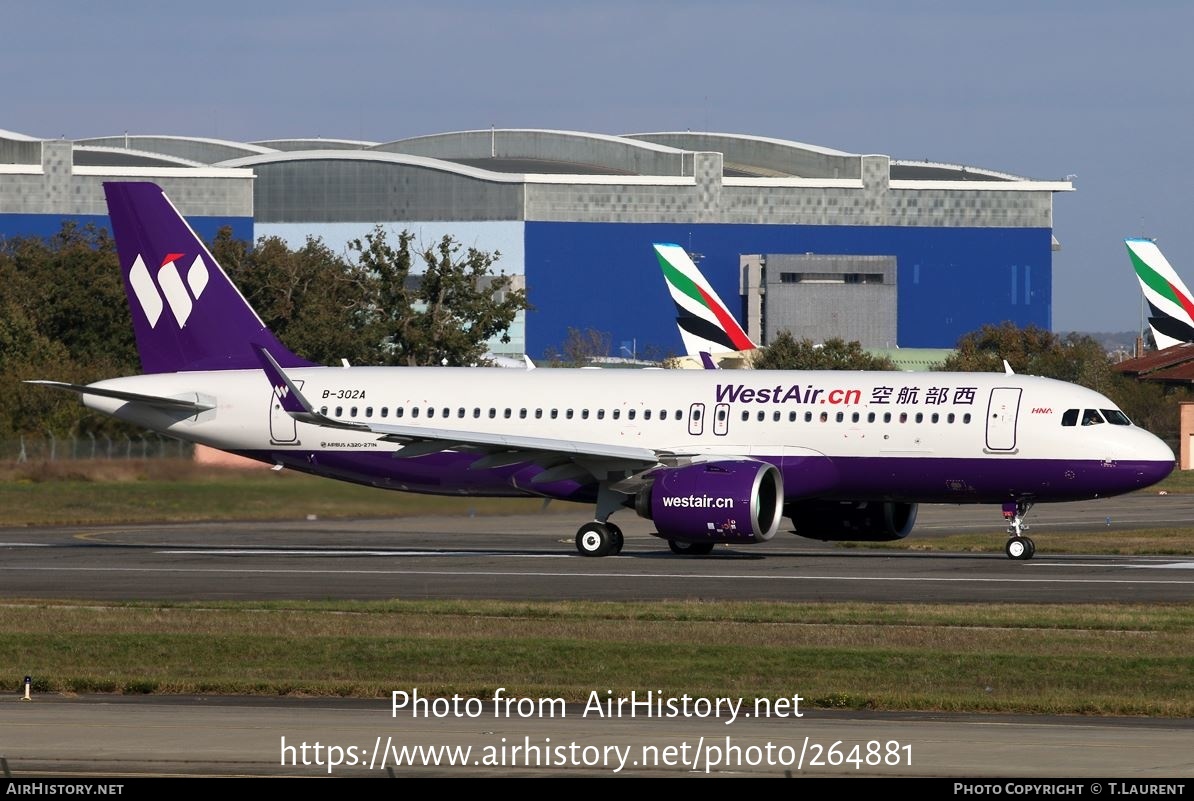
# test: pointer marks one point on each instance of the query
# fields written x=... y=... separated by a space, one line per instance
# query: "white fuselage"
x=974 y=419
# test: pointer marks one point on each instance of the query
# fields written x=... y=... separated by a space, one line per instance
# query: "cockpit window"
x=1116 y=418
x=1070 y=418
x=1091 y=417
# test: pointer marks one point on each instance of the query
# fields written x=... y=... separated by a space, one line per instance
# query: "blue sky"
x=1099 y=90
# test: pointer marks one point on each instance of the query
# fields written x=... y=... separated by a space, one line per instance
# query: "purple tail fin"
x=187 y=314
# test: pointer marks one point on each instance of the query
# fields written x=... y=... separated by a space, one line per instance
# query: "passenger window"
x=568 y=414
x=601 y=414
x=538 y=414
x=584 y=414
x=506 y=414
x=870 y=417
x=414 y=411
x=630 y=414
x=919 y=417
x=492 y=413
x=791 y=417
x=949 y=418
x=824 y=417
x=385 y=411
x=555 y=413
x=618 y=413
x=966 y=417
x=476 y=411
x=841 y=416
x=324 y=411
x=339 y=411
x=854 y=417
x=368 y=411
x=522 y=414
x=1070 y=418
x=762 y=416
x=887 y=417
x=399 y=411
x=903 y=417
x=808 y=417
x=460 y=412
x=646 y=414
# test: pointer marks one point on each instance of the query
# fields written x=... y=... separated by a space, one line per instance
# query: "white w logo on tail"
x=169 y=285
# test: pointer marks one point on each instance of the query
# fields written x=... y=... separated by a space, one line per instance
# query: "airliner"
x=1170 y=304
x=710 y=332
x=709 y=456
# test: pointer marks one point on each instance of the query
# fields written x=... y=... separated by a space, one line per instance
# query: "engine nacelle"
x=846 y=521
x=731 y=501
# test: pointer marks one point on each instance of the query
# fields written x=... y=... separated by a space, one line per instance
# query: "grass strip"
x=1103 y=659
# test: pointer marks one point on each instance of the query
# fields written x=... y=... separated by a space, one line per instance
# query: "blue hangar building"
x=894 y=253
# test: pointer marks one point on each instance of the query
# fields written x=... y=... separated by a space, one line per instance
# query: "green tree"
x=316 y=302
x=447 y=313
x=580 y=348
x=787 y=353
x=63 y=316
x=70 y=289
x=1075 y=358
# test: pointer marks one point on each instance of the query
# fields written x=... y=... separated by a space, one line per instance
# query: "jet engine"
x=858 y=521
x=709 y=502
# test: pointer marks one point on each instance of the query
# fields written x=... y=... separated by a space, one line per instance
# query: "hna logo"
x=180 y=296
x=1042 y=410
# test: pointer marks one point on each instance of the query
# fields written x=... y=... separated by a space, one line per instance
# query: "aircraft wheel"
x=616 y=538
x=594 y=539
x=1019 y=548
x=690 y=548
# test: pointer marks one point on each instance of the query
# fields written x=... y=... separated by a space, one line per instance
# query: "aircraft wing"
x=594 y=458
x=157 y=401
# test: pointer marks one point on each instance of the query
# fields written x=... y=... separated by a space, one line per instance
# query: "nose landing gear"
x=1018 y=546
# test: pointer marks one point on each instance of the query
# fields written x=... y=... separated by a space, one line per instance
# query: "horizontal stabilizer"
x=156 y=401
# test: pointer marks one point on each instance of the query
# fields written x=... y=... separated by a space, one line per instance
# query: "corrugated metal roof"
x=1150 y=363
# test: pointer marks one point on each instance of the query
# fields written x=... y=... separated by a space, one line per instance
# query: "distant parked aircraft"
x=1171 y=306
x=711 y=334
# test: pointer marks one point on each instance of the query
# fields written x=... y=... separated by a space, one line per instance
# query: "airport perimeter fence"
x=27 y=450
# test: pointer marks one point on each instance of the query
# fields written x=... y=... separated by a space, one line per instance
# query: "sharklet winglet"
x=294 y=403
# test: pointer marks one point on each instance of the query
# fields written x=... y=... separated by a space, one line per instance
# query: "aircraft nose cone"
x=1154 y=472
x=1158 y=462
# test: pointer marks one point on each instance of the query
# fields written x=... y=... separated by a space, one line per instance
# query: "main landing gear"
x=1018 y=546
x=599 y=539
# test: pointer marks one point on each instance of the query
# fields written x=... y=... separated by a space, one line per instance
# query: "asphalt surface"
x=533 y=557
x=530 y=557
